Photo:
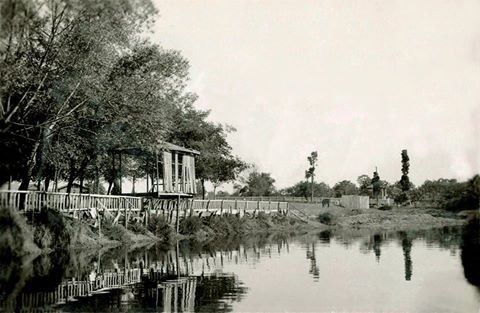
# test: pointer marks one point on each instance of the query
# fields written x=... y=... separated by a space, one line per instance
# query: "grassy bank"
x=48 y=231
x=388 y=218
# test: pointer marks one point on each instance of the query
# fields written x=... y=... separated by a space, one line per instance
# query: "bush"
x=50 y=230
x=137 y=228
x=385 y=208
x=190 y=225
x=116 y=232
x=326 y=218
x=16 y=238
x=160 y=227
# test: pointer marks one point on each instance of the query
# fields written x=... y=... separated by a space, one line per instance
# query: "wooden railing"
x=133 y=207
x=194 y=207
x=67 y=202
x=276 y=198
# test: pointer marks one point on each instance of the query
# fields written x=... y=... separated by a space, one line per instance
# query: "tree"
x=256 y=184
x=52 y=69
x=303 y=189
x=224 y=169
x=405 y=181
x=364 y=181
x=376 y=184
x=215 y=162
x=345 y=187
x=310 y=173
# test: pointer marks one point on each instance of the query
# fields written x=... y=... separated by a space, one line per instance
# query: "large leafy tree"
x=53 y=58
x=303 y=189
x=364 y=182
x=345 y=187
x=216 y=163
x=256 y=184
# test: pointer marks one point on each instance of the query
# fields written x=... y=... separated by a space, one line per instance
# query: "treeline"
x=442 y=193
x=80 y=80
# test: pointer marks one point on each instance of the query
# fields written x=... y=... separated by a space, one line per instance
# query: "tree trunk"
x=133 y=184
x=203 y=188
x=214 y=192
x=55 y=186
x=81 y=184
x=30 y=166
x=311 y=197
x=47 y=183
x=71 y=178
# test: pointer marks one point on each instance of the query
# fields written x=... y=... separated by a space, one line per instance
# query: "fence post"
x=177 y=217
x=126 y=216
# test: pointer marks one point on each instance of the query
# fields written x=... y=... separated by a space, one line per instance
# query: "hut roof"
x=156 y=147
x=174 y=147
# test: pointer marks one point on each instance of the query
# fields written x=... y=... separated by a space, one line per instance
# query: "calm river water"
x=421 y=271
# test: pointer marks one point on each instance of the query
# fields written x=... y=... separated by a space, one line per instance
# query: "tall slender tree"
x=310 y=173
x=405 y=181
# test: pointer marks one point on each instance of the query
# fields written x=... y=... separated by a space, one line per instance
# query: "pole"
x=177 y=217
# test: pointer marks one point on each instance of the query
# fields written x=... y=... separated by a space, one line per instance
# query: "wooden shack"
x=175 y=170
x=169 y=169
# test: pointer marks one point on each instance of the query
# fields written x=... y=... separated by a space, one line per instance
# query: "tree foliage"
x=79 y=81
x=310 y=173
x=405 y=181
x=345 y=187
x=256 y=184
x=364 y=182
x=303 y=189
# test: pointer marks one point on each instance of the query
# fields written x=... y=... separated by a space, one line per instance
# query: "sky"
x=357 y=81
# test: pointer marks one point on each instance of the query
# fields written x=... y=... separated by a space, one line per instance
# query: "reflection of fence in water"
x=177 y=293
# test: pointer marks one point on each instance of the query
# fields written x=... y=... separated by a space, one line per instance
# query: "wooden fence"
x=67 y=202
x=128 y=207
x=276 y=198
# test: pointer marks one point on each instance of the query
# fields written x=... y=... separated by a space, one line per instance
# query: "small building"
x=355 y=202
x=170 y=169
x=382 y=192
x=175 y=170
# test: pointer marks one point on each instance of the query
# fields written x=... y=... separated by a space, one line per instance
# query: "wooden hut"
x=175 y=170
x=170 y=169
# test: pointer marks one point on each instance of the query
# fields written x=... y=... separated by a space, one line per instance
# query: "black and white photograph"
x=240 y=156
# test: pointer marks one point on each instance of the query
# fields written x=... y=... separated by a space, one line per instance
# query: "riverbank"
x=389 y=218
x=48 y=230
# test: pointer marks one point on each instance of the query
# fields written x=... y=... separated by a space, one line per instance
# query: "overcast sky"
x=358 y=81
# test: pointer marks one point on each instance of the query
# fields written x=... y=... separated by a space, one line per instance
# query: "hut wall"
x=167 y=171
x=355 y=202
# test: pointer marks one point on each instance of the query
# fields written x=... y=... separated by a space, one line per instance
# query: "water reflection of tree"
x=470 y=254
x=373 y=243
x=314 y=270
x=407 y=249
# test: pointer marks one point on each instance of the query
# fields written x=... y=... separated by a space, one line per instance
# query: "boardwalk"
x=130 y=207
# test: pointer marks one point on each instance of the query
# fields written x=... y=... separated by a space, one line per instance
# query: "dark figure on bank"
x=325 y=203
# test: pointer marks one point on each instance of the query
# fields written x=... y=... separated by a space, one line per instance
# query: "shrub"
x=159 y=226
x=326 y=218
x=50 y=230
x=116 y=232
x=385 y=208
x=138 y=228
x=16 y=239
x=190 y=225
